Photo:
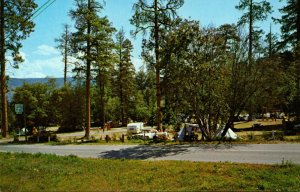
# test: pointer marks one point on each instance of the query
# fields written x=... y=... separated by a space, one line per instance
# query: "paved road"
x=255 y=153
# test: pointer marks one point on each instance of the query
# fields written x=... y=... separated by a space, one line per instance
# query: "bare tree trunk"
x=88 y=80
x=229 y=124
x=66 y=53
x=298 y=21
x=298 y=60
x=101 y=77
x=121 y=85
x=250 y=33
x=4 y=123
x=157 y=67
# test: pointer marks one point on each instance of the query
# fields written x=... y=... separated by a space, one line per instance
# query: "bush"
x=69 y=129
x=276 y=135
x=114 y=137
x=251 y=136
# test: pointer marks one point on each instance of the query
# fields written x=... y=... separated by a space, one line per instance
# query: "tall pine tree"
x=290 y=35
x=15 y=26
x=154 y=15
x=64 y=45
x=255 y=11
x=290 y=24
x=125 y=81
x=90 y=43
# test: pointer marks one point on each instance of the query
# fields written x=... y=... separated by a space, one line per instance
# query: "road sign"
x=19 y=108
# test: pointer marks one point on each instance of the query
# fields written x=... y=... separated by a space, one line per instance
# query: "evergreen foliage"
x=207 y=74
x=15 y=26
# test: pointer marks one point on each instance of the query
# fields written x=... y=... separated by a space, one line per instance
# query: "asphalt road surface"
x=254 y=153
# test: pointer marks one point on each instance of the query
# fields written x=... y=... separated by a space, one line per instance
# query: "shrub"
x=114 y=137
x=251 y=136
x=276 y=135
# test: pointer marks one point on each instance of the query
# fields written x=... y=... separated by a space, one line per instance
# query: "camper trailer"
x=133 y=128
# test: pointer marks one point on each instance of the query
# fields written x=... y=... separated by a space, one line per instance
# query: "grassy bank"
x=24 y=172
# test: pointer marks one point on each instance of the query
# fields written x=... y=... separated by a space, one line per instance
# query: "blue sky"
x=43 y=60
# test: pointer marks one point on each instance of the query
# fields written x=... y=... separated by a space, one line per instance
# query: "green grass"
x=24 y=172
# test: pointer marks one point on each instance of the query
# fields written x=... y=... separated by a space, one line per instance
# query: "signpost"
x=19 y=109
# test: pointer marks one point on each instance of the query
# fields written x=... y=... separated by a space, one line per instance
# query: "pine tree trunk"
x=298 y=61
x=102 y=95
x=157 y=67
x=250 y=33
x=120 y=85
x=66 y=55
x=298 y=21
x=88 y=80
x=4 y=123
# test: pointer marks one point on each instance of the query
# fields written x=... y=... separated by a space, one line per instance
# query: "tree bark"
x=121 y=83
x=298 y=21
x=66 y=54
x=250 y=33
x=88 y=78
x=298 y=61
x=4 y=123
x=102 y=95
x=157 y=67
x=228 y=125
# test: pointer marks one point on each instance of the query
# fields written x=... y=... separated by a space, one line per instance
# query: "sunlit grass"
x=24 y=172
x=246 y=124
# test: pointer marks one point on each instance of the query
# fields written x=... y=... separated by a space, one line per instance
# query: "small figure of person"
x=34 y=131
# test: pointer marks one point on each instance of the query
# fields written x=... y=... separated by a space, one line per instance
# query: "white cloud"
x=41 y=68
x=35 y=66
x=46 y=50
x=47 y=62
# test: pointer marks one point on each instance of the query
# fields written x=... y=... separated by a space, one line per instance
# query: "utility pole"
x=4 y=123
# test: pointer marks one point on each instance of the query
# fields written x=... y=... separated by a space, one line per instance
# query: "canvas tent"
x=230 y=134
x=188 y=128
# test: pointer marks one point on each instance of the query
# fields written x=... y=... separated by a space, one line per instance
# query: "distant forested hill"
x=16 y=82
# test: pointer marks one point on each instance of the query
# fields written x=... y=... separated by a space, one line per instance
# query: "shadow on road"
x=143 y=152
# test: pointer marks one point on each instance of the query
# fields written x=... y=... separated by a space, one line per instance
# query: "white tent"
x=230 y=134
x=188 y=128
